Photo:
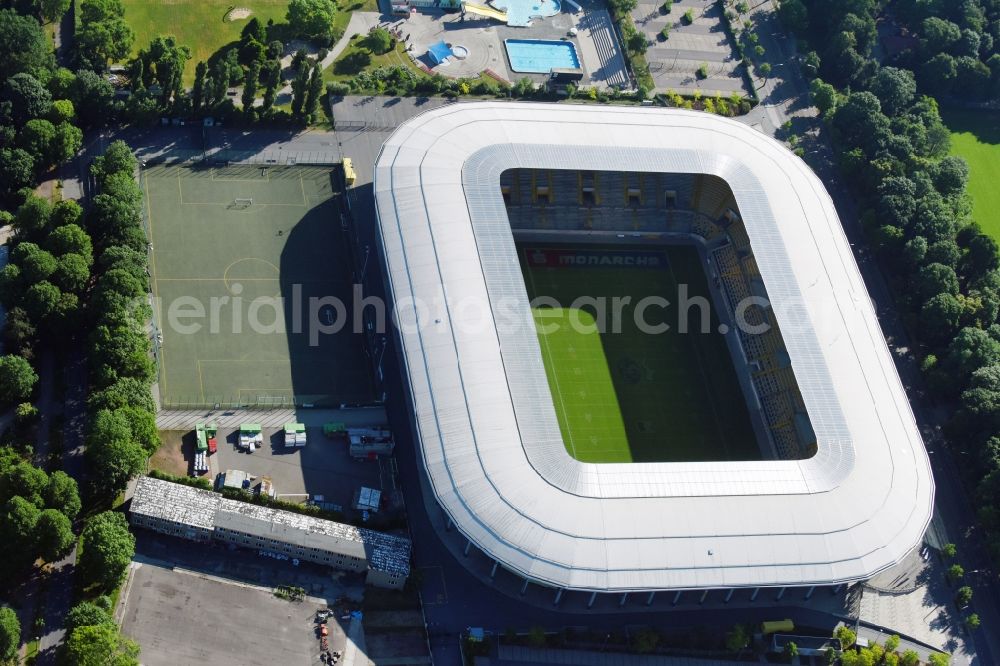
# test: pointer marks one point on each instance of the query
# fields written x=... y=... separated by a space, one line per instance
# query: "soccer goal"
x=242 y=203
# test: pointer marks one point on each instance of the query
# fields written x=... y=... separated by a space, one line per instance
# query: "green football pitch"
x=623 y=394
x=234 y=249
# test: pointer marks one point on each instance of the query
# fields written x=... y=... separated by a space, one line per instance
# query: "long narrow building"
x=203 y=515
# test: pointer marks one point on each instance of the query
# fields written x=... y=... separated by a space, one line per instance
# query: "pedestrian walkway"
x=269 y=418
x=514 y=654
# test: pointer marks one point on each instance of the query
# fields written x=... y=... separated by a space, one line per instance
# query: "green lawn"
x=197 y=24
x=627 y=395
x=357 y=58
x=975 y=135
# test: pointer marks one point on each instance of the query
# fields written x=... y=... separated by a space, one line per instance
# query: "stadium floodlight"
x=486 y=428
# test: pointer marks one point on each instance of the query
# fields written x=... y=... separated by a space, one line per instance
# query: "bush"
x=338 y=89
x=702 y=71
x=26 y=413
x=379 y=41
x=193 y=481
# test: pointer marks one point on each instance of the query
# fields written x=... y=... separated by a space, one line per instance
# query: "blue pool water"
x=520 y=12
x=540 y=56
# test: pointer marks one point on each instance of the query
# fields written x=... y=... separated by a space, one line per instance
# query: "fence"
x=261 y=402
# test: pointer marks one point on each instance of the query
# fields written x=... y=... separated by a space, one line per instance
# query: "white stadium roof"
x=483 y=412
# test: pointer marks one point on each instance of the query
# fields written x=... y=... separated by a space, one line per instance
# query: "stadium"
x=771 y=447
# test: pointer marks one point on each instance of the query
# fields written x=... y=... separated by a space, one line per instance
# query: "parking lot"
x=322 y=467
x=186 y=618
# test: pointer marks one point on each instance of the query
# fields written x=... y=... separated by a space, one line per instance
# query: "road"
x=785 y=98
x=59 y=592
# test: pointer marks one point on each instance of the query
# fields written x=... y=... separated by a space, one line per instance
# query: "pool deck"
x=596 y=46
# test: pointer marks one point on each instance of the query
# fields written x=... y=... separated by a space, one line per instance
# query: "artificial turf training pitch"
x=243 y=266
x=634 y=396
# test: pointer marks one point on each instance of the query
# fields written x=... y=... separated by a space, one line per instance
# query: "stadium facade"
x=852 y=503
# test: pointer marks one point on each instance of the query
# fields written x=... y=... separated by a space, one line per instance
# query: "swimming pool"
x=540 y=56
x=520 y=12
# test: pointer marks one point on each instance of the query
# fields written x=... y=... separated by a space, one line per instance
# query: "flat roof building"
x=202 y=515
x=482 y=410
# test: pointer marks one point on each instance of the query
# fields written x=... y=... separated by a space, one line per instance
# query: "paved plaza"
x=181 y=617
x=673 y=62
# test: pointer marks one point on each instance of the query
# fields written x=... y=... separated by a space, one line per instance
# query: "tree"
x=142 y=426
x=17 y=379
x=300 y=87
x=62 y=494
x=312 y=19
x=254 y=30
x=36 y=264
x=939 y=73
x=100 y=645
x=72 y=273
x=54 y=533
x=66 y=143
x=955 y=572
x=116 y=461
x=198 y=90
x=972 y=349
x=17 y=170
x=951 y=175
x=125 y=392
x=103 y=34
x=934 y=279
x=17 y=531
x=10 y=634
x=71 y=239
x=823 y=95
x=982 y=256
x=41 y=302
x=940 y=317
x=39 y=138
x=910 y=658
x=118 y=158
x=62 y=111
x=972 y=622
x=250 y=88
x=163 y=63
x=27 y=97
x=963 y=596
x=87 y=614
x=26 y=481
x=949 y=550
x=379 y=41
x=846 y=637
x=794 y=15
x=108 y=548
x=314 y=91
x=272 y=76
x=22 y=43
x=895 y=88
x=892 y=644
x=737 y=638
x=93 y=97
x=53 y=10
x=939 y=659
